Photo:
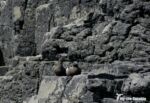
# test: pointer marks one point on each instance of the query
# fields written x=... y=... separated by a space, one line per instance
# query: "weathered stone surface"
x=105 y=81
x=109 y=39
x=137 y=84
x=23 y=84
x=4 y=70
x=31 y=20
x=7 y=43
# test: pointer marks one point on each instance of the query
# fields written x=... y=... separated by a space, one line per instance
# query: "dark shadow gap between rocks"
x=2 y=63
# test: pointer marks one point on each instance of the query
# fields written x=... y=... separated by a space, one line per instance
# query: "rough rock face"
x=109 y=39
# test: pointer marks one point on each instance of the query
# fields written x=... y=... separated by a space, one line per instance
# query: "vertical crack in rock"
x=25 y=4
x=62 y=95
x=39 y=77
x=39 y=80
x=50 y=22
x=2 y=62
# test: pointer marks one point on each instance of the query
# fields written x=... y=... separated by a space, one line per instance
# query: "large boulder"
x=137 y=85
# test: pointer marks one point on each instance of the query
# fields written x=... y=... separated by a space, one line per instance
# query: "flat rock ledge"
x=35 y=82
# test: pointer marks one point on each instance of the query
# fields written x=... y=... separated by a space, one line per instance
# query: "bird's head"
x=75 y=64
